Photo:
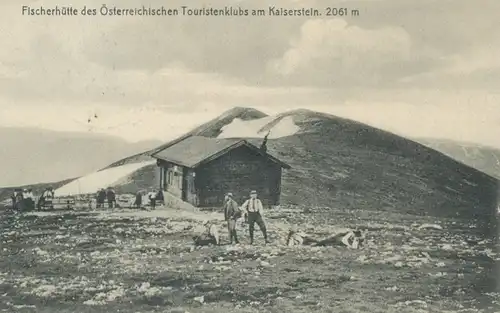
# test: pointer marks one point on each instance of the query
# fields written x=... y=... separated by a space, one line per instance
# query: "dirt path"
x=160 y=212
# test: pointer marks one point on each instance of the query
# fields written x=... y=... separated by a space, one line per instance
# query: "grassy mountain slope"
x=483 y=158
x=338 y=162
x=344 y=164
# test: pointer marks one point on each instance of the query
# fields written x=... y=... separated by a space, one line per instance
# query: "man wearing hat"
x=231 y=215
x=254 y=207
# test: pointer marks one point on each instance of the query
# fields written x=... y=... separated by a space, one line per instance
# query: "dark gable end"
x=267 y=155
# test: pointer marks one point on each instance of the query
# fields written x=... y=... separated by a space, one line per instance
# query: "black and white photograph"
x=244 y=156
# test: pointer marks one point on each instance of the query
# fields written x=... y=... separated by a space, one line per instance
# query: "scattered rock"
x=200 y=299
x=438 y=274
x=430 y=226
x=416 y=303
x=447 y=247
x=426 y=254
x=40 y=252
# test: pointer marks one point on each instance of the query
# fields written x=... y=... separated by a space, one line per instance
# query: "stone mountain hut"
x=201 y=170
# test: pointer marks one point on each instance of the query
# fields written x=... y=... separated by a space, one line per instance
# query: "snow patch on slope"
x=254 y=128
x=106 y=178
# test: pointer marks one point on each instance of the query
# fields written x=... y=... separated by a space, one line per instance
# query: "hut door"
x=185 y=184
x=188 y=188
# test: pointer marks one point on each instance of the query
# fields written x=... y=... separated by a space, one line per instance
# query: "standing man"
x=231 y=214
x=152 y=198
x=30 y=198
x=24 y=201
x=101 y=198
x=19 y=200
x=14 y=199
x=253 y=207
x=138 y=200
x=160 y=197
x=97 y=203
x=111 y=197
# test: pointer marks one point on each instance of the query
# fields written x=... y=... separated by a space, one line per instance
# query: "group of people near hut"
x=109 y=196
x=251 y=210
x=25 y=200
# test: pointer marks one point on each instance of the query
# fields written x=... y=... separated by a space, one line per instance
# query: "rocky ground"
x=126 y=261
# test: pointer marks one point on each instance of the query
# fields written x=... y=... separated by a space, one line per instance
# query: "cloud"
x=117 y=58
x=235 y=47
x=348 y=53
x=476 y=68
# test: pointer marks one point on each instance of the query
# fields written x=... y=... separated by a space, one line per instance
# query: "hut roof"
x=196 y=150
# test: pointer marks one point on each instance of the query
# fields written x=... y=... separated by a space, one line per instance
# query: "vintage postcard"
x=249 y=156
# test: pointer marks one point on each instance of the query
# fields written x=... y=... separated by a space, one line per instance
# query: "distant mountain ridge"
x=32 y=155
x=481 y=157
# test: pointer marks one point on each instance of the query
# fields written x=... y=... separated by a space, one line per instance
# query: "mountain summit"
x=344 y=164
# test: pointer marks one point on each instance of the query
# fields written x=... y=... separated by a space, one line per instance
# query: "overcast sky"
x=424 y=68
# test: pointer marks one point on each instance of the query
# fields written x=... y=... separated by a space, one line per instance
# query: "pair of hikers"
x=251 y=209
x=103 y=195
x=153 y=196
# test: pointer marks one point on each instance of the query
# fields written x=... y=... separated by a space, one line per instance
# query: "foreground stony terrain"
x=126 y=261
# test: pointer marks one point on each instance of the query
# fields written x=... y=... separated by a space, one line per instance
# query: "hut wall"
x=239 y=171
